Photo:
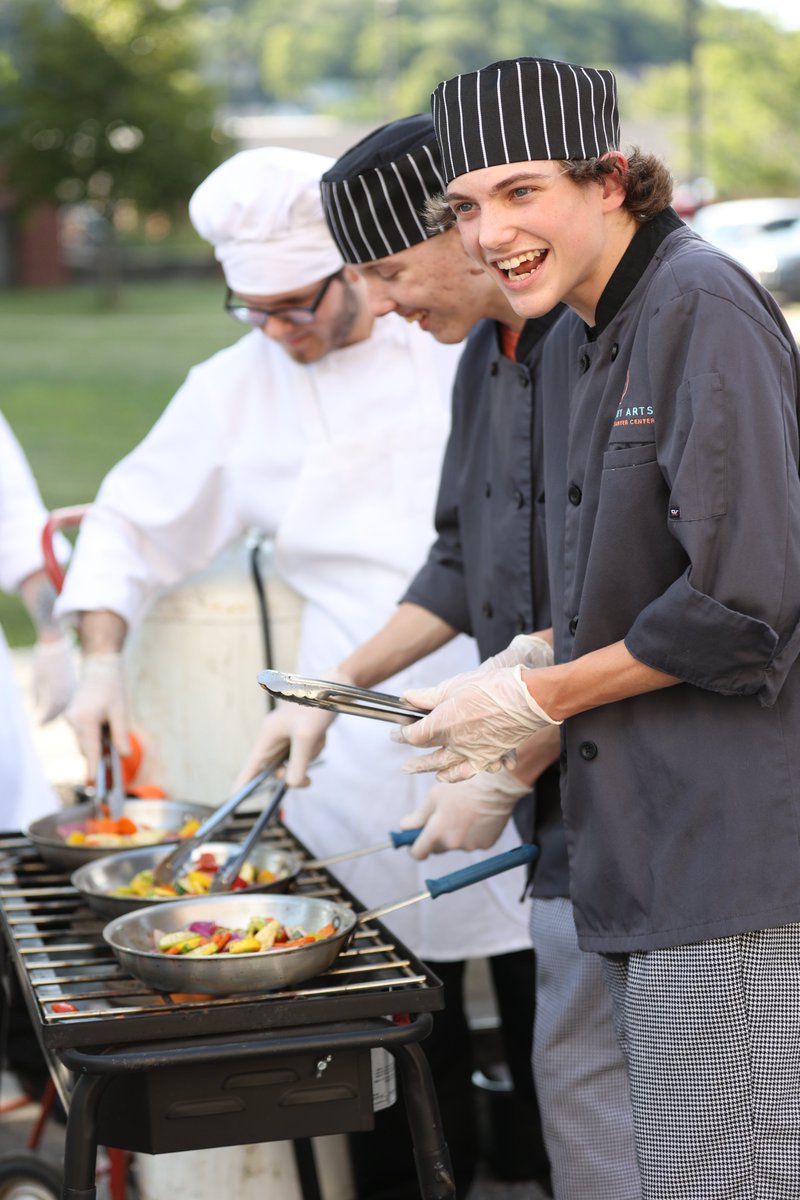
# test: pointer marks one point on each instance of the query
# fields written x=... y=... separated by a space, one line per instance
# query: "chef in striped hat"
x=486 y=574
x=374 y=200
x=672 y=476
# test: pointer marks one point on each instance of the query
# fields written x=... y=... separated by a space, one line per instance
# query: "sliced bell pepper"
x=190 y=942
x=203 y=951
x=266 y=936
x=247 y=945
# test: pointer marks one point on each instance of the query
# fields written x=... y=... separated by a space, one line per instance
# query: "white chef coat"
x=337 y=461
x=24 y=793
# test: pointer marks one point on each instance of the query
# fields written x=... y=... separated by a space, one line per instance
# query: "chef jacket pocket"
x=629 y=456
x=695 y=452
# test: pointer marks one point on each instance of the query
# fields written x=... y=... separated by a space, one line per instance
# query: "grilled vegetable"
x=261 y=935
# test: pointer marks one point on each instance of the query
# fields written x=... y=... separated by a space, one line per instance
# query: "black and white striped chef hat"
x=524 y=110
x=373 y=196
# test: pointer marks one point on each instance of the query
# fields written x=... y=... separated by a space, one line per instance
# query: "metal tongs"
x=339 y=697
x=109 y=766
x=167 y=870
x=225 y=875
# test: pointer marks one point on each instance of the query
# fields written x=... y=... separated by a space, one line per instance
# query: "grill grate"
x=55 y=942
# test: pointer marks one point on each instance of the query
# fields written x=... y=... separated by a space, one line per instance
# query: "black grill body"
x=144 y=1071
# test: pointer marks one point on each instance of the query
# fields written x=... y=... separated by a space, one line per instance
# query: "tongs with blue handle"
x=485 y=868
x=403 y=837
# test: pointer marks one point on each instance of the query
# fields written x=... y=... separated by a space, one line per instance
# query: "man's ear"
x=615 y=182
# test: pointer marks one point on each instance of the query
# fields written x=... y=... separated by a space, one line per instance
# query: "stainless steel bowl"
x=131 y=937
x=168 y=815
x=96 y=880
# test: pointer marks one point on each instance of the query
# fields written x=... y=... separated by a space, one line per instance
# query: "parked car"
x=763 y=234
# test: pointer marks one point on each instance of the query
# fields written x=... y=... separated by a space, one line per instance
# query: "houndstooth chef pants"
x=711 y=1034
x=578 y=1068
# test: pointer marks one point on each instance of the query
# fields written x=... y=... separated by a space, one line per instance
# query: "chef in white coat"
x=324 y=428
x=25 y=794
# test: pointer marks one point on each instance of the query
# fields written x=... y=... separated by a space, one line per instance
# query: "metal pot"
x=131 y=937
x=166 y=815
x=96 y=880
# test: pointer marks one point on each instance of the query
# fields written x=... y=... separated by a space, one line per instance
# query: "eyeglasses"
x=294 y=314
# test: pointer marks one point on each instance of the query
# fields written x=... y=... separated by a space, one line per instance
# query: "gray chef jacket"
x=673 y=512
x=486 y=572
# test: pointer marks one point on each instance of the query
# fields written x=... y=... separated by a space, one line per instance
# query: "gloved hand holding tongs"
x=296 y=732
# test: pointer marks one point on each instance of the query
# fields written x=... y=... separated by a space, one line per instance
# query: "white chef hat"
x=262 y=213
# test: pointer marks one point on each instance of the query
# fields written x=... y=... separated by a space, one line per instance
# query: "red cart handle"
x=60 y=518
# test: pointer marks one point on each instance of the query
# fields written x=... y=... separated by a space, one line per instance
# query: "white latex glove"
x=295 y=729
x=527 y=649
x=478 y=729
x=469 y=815
x=100 y=696
x=54 y=677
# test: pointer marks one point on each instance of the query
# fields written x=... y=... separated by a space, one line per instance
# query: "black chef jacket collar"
x=534 y=330
x=631 y=267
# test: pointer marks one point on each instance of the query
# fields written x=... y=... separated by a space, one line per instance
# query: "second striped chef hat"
x=373 y=196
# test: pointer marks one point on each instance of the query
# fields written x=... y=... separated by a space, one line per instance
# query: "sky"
x=785 y=12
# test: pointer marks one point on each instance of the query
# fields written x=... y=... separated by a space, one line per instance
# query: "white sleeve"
x=22 y=513
x=162 y=512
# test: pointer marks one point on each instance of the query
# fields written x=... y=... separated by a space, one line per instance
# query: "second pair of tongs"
x=109 y=789
x=167 y=870
x=226 y=874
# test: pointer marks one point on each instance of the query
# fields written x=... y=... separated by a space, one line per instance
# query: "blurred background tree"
x=103 y=105
x=724 y=75
x=750 y=72
x=116 y=99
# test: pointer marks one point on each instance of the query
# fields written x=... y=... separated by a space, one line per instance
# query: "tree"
x=377 y=59
x=338 y=53
x=750 y=72
x=105 y=106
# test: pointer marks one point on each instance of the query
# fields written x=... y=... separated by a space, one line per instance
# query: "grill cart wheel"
x=27 y=1177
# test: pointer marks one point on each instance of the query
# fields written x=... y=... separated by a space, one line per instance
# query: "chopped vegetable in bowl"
x=196 y=881
x=107 y=833
x=202 y=938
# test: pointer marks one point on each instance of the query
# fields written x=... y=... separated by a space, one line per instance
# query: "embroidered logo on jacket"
x=629 y=415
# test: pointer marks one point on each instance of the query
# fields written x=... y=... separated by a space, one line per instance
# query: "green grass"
x=81 y=385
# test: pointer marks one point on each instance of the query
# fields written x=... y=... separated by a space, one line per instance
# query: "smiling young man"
x=486 y=574
x=673 y=512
